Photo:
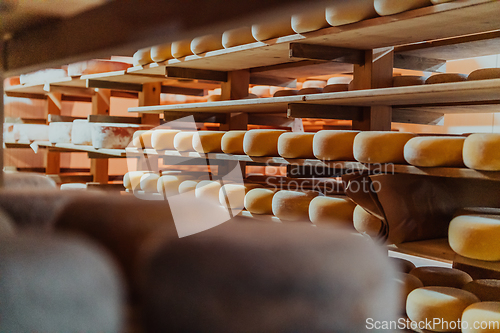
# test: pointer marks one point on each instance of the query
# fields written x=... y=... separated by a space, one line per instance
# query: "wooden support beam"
x=182 y=91
x=150 y=95
x=273 y=81
x=341 y=112
x=136 y=87
x=280 y=120
x=237 y=85
x=406 y=61
x=327 y=53
x=404 y=115
x=99 y=168
x=103 y=118
x=53 y=113
x=196 y=74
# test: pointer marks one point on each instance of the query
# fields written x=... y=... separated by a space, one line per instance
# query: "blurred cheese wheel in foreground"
x=310 y=21
x=272 y=29
x=407 y=283
x=233 y=195
x=438 y=151
x=481 y=317
x=142 y=57
x=441 y=276
x=381 y=147
x=232 y=142
x=181 y=48
x=482 y=151
x=149 y=182
x=296 y=145
x=238 y=36
x=260 y=201
x=446 y=78
x=407 y=80
x=484 y=74
x=324 y=211
x=390 y=7
x=169 y=184
x=485 y=289
x=262 y=142
x=332 y=145
x=293 y=206
x=163 y=139
x=345 y=12
x=142 y=139
x=132 y=180
x=206 y=43
x=207 y=141
x=183 y=141
x=208 y=190
x=403 y=265
x=162 y=52
x=366 y=223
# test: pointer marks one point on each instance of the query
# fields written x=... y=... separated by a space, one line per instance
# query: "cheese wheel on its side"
x=439 y=305
x=365 y=223
x=336 y=87
x=238 y=36
x=435 y=151
x=346 y=12
x=233 y=195
x=208 y=190
x=485 y=289
x=81 y=132
x=188 y=186
x=333 y=145
x=232 y=142
x=60 y=132
x=310 y=91
x=287 y=92
x=310 y=21
x=296 y=145
x=132 y=180
x=114 y=136
x=407 y=80
x=446 y=78
x=390 y=7
x=149 y=182
x=160 y=53
x=262 y=142
x=168 y=185
x=403 y=265
x=272 y=29
x=381 y=147
x=481 y=317
x=142 y=139
x=484 y=74
x=183 y=141
x=260 y=201
x=441 y=276
x=482 y=151
x=142 y=57
x=214 y=98
x=163 y=139
x=181 y=48
x=475 y=237
x=293 y=206
x=208 y=141
x=328 y=211
x=407 y=283
x=314 y=84
x=96 y=66
x=206 y=43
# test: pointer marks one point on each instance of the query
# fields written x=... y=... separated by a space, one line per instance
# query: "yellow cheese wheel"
x=407 y=80
x=181 y=48
x=183 y=141
x=261 y=142
x=485 y=289
x=238 y=36
x=206 y=43
x=296 y=145
x=168 y=185
x=163 y=139
x=293 y=206
x=208 y=190
x=482 y=151
x=232 y=142
x=233 y=195
x=287 y=92
x=403 y=265
x=188 y=186
x=365 y=223
x=162 y=52
x=333 y=145
x=446 y=78
x=324 y=211
x=336 y=87
x=207 y=141
x=442 y=306
x=132 y=180
x=260 y=201
x=390 y=7
x=435 y=151
x=481 y=317
x=214 y=98
x=149 y=182
x=380 y=146
x=142 y=57
x=484 y=74
x=310 y=21
x=272 y=29
x=407 y=283
x=476 y=237
x=441 y=276
x=345 y=12
x=142 y=139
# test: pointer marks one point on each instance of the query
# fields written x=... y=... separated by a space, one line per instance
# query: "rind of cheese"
x=390 y=7
x=163 y=139
x=208 y=190
x=262 y=142
x=238 y=36
x=149 y=182
x=142 y=139
x=272 y=29
x=446 y=78
x=142 y=57
x=346 y=12
x=296 y=145
x=328 y=211
x=365 y=223
x=160 y=53
x=381 y=147
x=481 y=317
x=188 y=186
x=232 y=142
x=233 y=195
x=81 y=133
x=485 y=289
x=260 y=201
x=310 y=91
x=333 y=145
x=214 y=98
x=208 y=141
x=206 y=43
x=183 y=141
x=168 y=185
x=407 y=80
x=484 y=74
x=482 y=151
x=181 y=48
x=293 y=206
x=60 y=132
x=309 y=21
x=435 y=151
x=132 y=180
x=403 y=265
x=407 y=283
x=441 y=276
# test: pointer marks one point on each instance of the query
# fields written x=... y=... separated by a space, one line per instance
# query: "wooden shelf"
x=447 y=172
x=434 y=249
x=69 y=147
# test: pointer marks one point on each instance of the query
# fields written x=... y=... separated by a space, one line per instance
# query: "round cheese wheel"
x=272 y=29
x=310 y=21
x=485 y=289
x=232 y=142
x=481 y=317
x=81 y=132
x=60 y=132
x=441 y=276
x=188 y=186
x=160 y=53
x=345 y=12
x=475 y=237
x=407 y=283
x=336 y=87
x=163 y=139
x=149 y=182
x=233 y=195
x=168 y=185
x=439 y=305
x=484 y=74
x=206 y=43
x=331 y=211
x=181 y=48
x=113 y=136
x=293 y=206
x=132 y=180
x=208 y=141
x=261 y=91
x=260 y=201
x=390 y=7
x=446 y=78
x=332 y=145
x=238 y=36
x=142 y=139
x=214 y=98
x=380 y=146
x=208 y=190
x=183 y=141
x=288 y=92
x=365 y=223
x=310 y=91
x=435 y=151
x=296 y=145
x=403 y=265
x=142 y=57
x=261 y=142
x=482 y=151
x=407 y=80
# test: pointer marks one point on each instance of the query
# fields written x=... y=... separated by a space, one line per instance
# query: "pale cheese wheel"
x=208 y=190
x=310 y=91
x=296 y=145
x=346 y=12
x=481 y=317
x=328 y=211
x=336 y=87
x=407 y=80
x=132 y=180
x=260 y=201
x=168 y=185
x=149 y=182
x=485 y=289
x=162 y=52
x=482 y=151
x=142 y=57
x=293 y=206
x=188 y=186
x=183 y=141
x=441 y=276
x=484 y=74
x=365 y=223
x=390 y=7
x=314 y=84
x=261 y=91
x=60 y=132
x=435 y=151
x=238 y=36
x=113 y=136
x=272 y=29
x=232 y=142
x=475 y=237
x=288 y=92
x=208 y=141
x=181 y=48
x=446 y=78
x=309 y=21
x=262 y=142
x=214 y=98
x=233 y=195
x=403 y=265
x=81 y=132
x=163 y=139
x=437 y=305
x=333 y=145
x=407 y=283
x=206 y=43
x=380 y=146
x=142 y=139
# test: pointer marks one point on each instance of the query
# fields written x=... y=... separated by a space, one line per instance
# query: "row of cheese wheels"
x=337 y=13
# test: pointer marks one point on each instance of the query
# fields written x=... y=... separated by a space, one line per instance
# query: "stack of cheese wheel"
x=381 y=147
x=365 y=223
x=293 y=205
x=434 y=151
x=207 y=141
x=260 y=201
x=232 y=142
x=346 y=12
x=390 y=7
x=296 y=145
x=482 y=151
x=261 y=142
x=163 y=139
x=332 y=145
x=330 y=211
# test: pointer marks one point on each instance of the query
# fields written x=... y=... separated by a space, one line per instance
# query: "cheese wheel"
x=233 y=195
x=81 y=133
x=481 y=317
x=206 y=43
x=339 y=80
x=60 y=132
x=163 y=139
x=95 y=66
x=439 y=305
x=232 y=142
x=161 y=53
x=73 y=187
x=288 y=92
x=293 y=206
x=208 y=190
x=183 y=141
x=260 y=201
x=365 y=223
x=324 y=211
x=390 y=7
x=336 y=87
x=214 y=98
x=261 y=142
x=482 y=151
x=484 y=74
x=168 y=185
x=310 y=21
x=310 y=91
x=142 y=139
x=407 y=80
x=345 y=12
x=407 y=283
x=332 y=145
x=44 y=75
x=403 y=265
x=438 y=151
x=208 y=141
x=441 y=276
x=446 y=78
x=113 y=136
x=188 y=186
x=132 y=180
x=475 y=237
x=142 y=57
x=181 y=48
x=272 y=29
x=149 y=182
x=485 y=289
x=296 y=145
x=380 y=146
x=238 y=36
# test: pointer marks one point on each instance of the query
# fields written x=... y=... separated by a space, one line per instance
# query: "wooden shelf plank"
x=69 y=147
x=434 y=249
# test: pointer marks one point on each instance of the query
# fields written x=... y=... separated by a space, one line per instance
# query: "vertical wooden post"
x=52 y=158
x=99 y=167
x=1 y=127
x=150 y=95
